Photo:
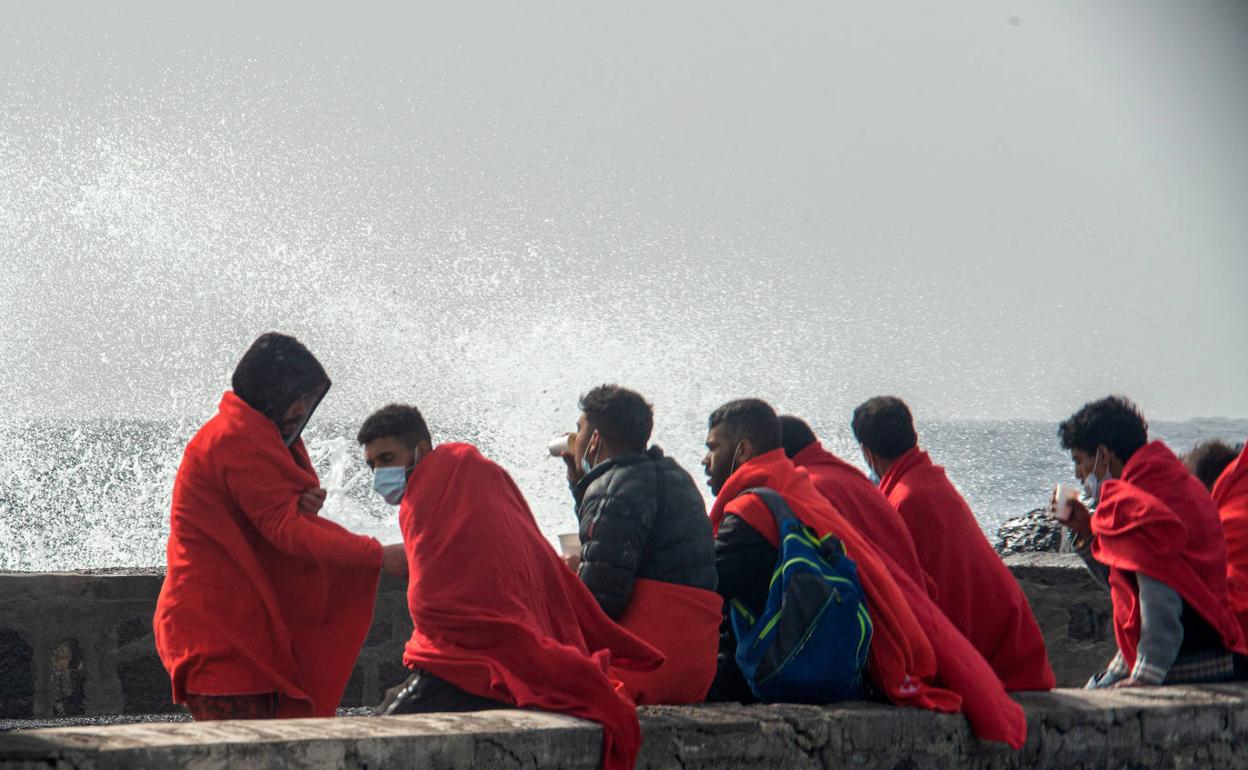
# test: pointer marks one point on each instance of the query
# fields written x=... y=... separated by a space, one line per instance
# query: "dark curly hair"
x=1114 y=421
x=1208 y=459
x=749 y=418
x=884 y=425
x=621 y=416
x=398 y=420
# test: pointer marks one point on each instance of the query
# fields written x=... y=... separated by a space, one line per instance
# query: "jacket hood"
x=275 y=372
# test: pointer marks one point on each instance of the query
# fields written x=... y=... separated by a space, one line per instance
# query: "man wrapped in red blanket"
x=1155 y=538
x=500 y=621
x=265 y=604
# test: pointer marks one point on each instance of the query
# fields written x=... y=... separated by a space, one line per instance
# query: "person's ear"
x=745 y=451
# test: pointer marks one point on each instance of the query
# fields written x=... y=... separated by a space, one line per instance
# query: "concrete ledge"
x=80 y=644
x=1177 y=727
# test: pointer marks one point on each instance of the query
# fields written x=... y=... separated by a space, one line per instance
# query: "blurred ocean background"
x=77 y=494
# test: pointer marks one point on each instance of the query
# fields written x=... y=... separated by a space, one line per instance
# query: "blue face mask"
x=390 y=483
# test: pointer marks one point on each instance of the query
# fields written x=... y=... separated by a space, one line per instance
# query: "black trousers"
x=424 y=693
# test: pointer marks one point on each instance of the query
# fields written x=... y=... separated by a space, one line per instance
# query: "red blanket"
x=1158 y=520
x=1230 y=494
x=681 y=622
x=863 y=505
x=915 y=649
x=974 y=588
x=258 y=596
x=498 y=614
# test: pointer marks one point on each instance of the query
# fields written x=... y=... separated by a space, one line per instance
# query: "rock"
x=1034 y=532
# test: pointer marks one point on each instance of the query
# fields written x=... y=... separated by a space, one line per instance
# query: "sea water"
x=95 y=493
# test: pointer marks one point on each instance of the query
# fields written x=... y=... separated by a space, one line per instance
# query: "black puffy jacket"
x=642 y=516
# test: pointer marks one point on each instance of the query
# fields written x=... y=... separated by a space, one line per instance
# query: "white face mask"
x=1092 y=482
x=871 y=474
x=586 y=465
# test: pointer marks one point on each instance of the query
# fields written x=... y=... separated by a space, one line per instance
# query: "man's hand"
x=1080 y=520
x=573 y=560
x=394 y=560
x=575 y=474
x=312 y=500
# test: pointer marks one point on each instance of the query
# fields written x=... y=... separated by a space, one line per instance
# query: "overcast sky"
x=998 y=211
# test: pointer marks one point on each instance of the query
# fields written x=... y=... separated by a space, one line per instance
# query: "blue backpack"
x=810 y=643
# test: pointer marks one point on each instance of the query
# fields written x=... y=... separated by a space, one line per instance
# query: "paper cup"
x=1063 y=496
x=561 y=444
x=570 y=544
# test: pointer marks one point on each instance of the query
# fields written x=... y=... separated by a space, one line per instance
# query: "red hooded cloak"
x=259 y=597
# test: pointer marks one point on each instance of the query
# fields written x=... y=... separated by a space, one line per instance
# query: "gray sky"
x=1002 y=211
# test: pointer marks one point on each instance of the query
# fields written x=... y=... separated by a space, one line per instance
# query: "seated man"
x=854 y=496
x=1230 y=494
x=973 y=586
x=265 y=605
x=1156 y=540
x=914 y=650
x=499 y=620
x=647 y=553
x=1208 y=459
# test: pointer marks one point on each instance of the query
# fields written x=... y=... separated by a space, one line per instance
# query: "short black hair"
x=275 y=372
x=1114 y=421
x=884 y=425
x=1208 y=459
x=749 y=418
x=398 y=420
x=795 y=434
x=621 y=416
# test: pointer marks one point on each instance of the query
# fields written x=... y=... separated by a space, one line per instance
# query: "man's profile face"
x=1084 y=461
x=389 y=452
x=297 y=414
x=717 y=464
x=583 y=433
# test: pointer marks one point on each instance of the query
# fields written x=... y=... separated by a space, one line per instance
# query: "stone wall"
x=1073 y=610
x=75 y=644
x=81 y=644
x=1178 y=727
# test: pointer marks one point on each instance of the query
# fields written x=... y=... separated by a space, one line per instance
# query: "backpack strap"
x=776 y=504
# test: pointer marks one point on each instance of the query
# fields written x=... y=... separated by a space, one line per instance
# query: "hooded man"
x=647 y=553
x=1230 y=494
x=265 y=605
x=974 y=588
x=1156 y=540
x=916 y=658
x=854 y=496
x=500 y=621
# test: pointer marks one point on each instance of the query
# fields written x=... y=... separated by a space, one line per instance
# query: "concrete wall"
x=1073 y=610
x=81 y=644
x=76 y=644
x=1193 y=727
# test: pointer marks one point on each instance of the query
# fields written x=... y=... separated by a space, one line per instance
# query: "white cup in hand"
x=1063 y=496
